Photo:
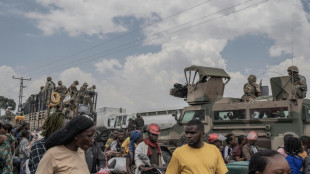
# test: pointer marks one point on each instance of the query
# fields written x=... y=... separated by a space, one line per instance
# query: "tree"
x=5 y=103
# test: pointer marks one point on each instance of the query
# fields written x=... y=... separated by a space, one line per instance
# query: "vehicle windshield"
x=230 y=115
x=263 y=113
x=193 y=115
x=118 y=121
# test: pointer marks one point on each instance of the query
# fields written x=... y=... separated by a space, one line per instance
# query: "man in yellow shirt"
x=196 y=157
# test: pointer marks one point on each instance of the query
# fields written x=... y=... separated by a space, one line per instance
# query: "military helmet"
x=85 y=84
x=94 y=86
x=252 y=78
x=59 y=82
x=49 y=78
x=76 y=82
x=293 y=69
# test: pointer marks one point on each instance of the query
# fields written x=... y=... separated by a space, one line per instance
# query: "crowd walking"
x=69 y=147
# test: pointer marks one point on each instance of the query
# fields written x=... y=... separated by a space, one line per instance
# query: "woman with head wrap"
x=136 y=137
x=66 y=146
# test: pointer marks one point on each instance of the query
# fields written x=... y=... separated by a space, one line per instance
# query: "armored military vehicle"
x=271 y=117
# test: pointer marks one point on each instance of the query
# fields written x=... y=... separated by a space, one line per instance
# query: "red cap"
x=252 y=135
x=213 y=137
x=154 y=128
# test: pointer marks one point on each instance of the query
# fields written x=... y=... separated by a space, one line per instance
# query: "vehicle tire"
x=55 y=98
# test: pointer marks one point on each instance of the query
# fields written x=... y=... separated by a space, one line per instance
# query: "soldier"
x=90 y=93
x=299 y=81
x=82 y=92
x=72 y=90
x=61 y=89
x=251 y=89
x=48 y=89
x=140 y=122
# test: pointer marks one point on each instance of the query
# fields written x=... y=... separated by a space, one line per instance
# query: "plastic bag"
x=120 y=165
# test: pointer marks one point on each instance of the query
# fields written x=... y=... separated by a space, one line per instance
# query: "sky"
x=134 y=51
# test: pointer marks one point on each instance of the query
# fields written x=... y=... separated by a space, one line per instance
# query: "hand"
x=146 y=169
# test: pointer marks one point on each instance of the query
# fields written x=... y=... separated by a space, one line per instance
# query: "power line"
x=21 y=87
x=121 y=36
x=88 y=58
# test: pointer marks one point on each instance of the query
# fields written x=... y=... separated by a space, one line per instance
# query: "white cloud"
x=107 y=65
x=75 y=73
x=143 y=81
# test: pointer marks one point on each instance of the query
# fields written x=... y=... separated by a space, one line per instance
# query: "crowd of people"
x=69 y=147
x=241 y=148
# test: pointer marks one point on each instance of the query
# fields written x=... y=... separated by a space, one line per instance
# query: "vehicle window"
x=124 y=120
x=193 y=115
x=118 y=121
x=280 y=112
x=230 y=115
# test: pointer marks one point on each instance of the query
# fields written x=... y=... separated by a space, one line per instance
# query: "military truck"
x=36 y=109
x=271 y=117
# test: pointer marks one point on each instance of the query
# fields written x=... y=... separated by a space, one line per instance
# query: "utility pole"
x=20 y=101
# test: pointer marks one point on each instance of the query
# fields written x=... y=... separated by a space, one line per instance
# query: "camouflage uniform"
x=82 y=93
x=251 y=89
x=48 y=89
x=61 y=89
x=89 y=94
x=72 y=90
x=299 y=81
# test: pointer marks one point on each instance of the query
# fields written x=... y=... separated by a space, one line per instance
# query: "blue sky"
x=43 y=38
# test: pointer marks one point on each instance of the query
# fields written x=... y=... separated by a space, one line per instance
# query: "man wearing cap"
x=216 y=140
x=196 y=157
x=151 y=149
x=250 y=148
x=299 y=81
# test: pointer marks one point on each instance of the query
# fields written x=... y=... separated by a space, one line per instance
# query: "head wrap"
x=135 y=135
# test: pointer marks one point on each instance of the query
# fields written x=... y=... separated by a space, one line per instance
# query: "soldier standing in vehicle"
x=299 y=82
x=89 y=95
x=48 y=89
x=61 y=89
x=251 y=89
x=72 y=90
x=82 y=92
x=139 y=122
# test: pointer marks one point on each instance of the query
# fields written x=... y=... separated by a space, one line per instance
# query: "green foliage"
x=5 y=103
x=53 y=123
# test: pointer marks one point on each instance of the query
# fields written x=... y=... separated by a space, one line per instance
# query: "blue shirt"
x=295 y=164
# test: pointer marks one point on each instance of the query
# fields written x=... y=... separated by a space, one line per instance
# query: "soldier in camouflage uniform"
x=251 y=89
x=299 y=81
x=90 y=93
x=82 y=93
x=48 y=89
x=72 y=90
x=61 y=89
